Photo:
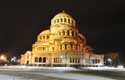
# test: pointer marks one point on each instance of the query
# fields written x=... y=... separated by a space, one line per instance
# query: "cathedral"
x=61 y=45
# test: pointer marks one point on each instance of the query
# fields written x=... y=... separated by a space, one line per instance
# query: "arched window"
x=98 y=61
x=70 y=60
x=74 y=47
x=68 y=20
x=54 y=21
x=63 y=32
x=43 y=37
x=54 y=60
x=72 y=22
x=77 y=46
x=61 y=20
x=40 y=59
x=71 y=46
x=72 y=33
x=43 y=48
x=36 y=59
x=93 y=61
x=57 y=20
x=73 y=60
x=40 y=37
x=64 y=19
x=65 y=46
x=78 y=60
x=59 y=33
x=52 y=48
x=44 y=59
x=60 y=60
x=60 y=47
x=76 y=34
x=47 y=37
x=68 y=33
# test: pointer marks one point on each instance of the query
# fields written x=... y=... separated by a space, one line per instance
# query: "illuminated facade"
x=61 y=45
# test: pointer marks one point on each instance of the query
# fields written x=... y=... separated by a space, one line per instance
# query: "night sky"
x=101 y=21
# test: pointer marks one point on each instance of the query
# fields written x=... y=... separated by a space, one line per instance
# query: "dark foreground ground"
x=118 y=75
x=40 y=74
x=27 y=75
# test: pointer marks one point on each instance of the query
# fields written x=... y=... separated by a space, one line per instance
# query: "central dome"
x=63 y=18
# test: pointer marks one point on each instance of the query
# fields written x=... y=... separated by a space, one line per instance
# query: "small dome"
x=63 y=18
x=63 y=14
x=44 y=35
x=45 y=32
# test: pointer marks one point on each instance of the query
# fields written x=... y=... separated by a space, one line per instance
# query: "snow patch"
x=106 y=68
x=33 y=68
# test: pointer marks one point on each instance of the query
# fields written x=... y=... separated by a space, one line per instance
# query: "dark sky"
x=101 y=21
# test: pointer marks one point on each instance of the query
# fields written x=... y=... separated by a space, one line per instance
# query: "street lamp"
x=3 y=58
x=109 y=60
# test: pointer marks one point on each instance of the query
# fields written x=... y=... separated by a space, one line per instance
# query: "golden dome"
x=45 y=32
x=63 y=14
x=63 y=18
x=44 y=35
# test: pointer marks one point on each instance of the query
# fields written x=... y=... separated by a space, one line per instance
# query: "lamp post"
x=109 y=61
x=3 y=59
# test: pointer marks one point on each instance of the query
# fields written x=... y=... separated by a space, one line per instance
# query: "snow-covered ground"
x=105 y=68
x=8 y=77
x=23 y=67
x=36 y=68
x=65 y=76
x=48 y=72
x=72 y=76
